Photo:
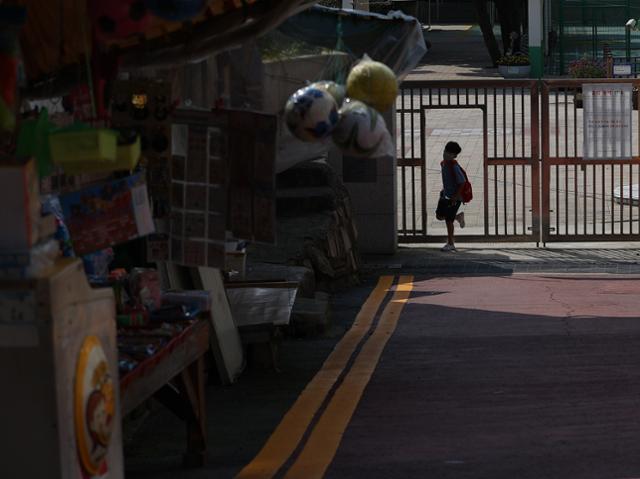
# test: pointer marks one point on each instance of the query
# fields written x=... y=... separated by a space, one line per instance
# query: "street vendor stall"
x=117 y=210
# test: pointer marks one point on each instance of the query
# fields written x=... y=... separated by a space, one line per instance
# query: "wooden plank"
x=225 y=339
x=196 y=428
x=189 y=390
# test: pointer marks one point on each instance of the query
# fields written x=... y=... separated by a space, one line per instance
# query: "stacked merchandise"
x=143 y=108
x=149 y=321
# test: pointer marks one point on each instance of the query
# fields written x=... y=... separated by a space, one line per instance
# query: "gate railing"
x=505 y=175
x=584 y=200
x=533 y=184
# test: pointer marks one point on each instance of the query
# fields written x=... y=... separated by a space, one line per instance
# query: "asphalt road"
x=521 y=376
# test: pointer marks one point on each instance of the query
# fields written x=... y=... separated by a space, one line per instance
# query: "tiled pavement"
x=456 y=51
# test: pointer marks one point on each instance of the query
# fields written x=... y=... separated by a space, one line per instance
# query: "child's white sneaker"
x=448 y=247
x=460 y=219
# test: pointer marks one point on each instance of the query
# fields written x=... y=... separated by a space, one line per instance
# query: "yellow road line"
x=294 y=424
x=323 y=442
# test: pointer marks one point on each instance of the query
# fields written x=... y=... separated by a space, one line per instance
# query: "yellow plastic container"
x=84 y=150
x=127 y=156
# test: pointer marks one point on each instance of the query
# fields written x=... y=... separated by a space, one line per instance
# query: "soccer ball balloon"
x=311 y=114
x=361 y=129
x=114 y=19
x=373 y=83
x=338 y=92
x=176 y=10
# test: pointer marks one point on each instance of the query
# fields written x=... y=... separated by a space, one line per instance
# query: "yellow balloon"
x=373 y=83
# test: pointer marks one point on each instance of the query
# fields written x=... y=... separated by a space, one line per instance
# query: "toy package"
x=107 y=214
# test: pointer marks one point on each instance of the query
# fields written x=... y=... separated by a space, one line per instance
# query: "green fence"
x=584 y=27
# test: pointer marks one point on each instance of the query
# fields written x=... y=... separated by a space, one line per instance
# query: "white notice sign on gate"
x=607 y=120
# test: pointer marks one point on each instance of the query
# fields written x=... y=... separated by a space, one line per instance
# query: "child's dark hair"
x=453 y=147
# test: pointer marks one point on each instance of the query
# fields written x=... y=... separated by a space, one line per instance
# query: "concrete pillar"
x=536 y=31
x=371 y=183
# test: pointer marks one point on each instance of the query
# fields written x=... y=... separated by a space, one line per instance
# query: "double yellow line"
x=324 y=439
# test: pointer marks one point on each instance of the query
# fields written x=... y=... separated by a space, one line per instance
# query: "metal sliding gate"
x=496 y=123
x=584 y=200
x=522 y=150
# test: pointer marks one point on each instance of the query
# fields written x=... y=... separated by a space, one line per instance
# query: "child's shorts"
x=447 y=211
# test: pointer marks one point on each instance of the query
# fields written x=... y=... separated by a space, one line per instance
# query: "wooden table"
x=175 y=377
x=260 y=309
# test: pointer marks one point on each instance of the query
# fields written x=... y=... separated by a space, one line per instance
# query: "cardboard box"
x=20 y=212
x=108 y=214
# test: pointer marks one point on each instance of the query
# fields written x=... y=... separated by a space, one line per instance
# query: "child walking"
x=453 y=180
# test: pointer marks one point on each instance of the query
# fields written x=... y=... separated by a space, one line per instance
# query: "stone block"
x=376 y=198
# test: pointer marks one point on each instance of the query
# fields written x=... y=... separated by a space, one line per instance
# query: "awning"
x=57 y=34
x=395 y=39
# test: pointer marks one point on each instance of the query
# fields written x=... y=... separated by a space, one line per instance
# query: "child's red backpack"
x=467 y=191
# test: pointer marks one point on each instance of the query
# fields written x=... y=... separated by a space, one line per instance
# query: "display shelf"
x=175 y=377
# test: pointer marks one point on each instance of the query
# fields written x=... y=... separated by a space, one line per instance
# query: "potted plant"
x=514 y=66
x=586 y=67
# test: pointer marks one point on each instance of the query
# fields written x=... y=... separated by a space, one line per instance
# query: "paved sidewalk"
x=457 y=52
x=501 y=259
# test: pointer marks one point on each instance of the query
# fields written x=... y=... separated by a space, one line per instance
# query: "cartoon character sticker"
x=94 y=406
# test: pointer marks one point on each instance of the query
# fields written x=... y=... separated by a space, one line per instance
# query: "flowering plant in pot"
x=586 y=67
x=589 y=68
x=514 y=66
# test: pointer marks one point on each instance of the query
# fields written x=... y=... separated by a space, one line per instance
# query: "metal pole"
x=627 y=33
x=561 y=37
x=536 y=55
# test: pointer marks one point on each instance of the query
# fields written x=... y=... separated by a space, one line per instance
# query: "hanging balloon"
x=114 y=19
x=176 y=10
x=373 y=83
x=337 y=91
x=361 y=129
x=311 y=114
